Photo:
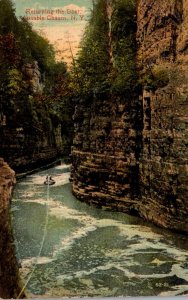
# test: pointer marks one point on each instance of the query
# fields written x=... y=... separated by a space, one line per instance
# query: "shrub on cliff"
x=156 y=77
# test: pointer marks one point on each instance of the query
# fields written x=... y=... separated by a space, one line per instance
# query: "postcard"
x=93 y=148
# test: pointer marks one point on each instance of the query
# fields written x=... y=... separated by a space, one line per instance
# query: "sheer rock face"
x=30 y=149
x=32 y=143
x=32 y=76
x=9 y=279
x=104 y=156
x=162 y=38
x=112 y=167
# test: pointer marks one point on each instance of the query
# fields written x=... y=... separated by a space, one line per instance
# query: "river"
x=88 y=251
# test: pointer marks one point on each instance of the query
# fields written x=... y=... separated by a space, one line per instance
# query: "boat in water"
x=49 y=180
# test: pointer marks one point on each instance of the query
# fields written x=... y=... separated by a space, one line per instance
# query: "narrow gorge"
x=119 y=113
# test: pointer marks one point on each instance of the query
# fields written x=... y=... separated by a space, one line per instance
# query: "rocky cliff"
x=27 y=148
x=104 y=156
x=29 y=136
x=130 y=151
x=162 y=38
x=9 y=278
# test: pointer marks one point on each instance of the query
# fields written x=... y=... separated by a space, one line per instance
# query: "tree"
x=34 y=46
x=92 y=66
x=106 y=61
x=124 y=45
x=8 y=20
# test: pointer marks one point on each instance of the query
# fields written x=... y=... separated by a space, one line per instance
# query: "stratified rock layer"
x=105 y=169
x=106 y=146
x=30 y=149
x=9 y=278
x=163 y=162
x=112 y=165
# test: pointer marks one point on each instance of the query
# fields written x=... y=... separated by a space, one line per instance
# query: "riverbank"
x=34 y=169
x=9 y=275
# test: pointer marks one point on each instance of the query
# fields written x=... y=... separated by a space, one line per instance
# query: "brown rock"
x=9 y=277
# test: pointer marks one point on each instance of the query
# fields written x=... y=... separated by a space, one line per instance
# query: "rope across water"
x=41 y=246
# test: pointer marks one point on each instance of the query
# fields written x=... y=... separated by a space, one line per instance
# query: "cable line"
x=42 y=243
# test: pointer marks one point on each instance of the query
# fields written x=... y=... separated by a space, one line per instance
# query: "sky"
x=61 y=21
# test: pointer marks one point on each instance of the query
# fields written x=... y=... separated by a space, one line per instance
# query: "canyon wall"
x=105 y=149
x=28 y=136
x=30 y=148
x=163 y=43
x=9 y=278
x=130 y=151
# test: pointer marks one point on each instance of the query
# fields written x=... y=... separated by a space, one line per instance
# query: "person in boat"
x=49 y=180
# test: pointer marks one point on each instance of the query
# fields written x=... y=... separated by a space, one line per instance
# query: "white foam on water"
x=44 y=260
x=146 y=239
x=41 y=201
x=39 y=179
x=15 y=208
x=29 y=262
x=142 y=238
x=125 y=270
x=135 y=231
x=33 y=180
x=179 y=271
x=59 y=210
x=176 y=270
x=86 y=224
x=83 y=273
x=178 y=289
x=63 y=167
x=61 y=180
x=120 y=253
x=29 y=194
x=68 y=242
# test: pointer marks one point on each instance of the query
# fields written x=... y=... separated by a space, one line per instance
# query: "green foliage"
x=95 y=70
x=156 y=77
x=14 y=82
x=36 y=113
x=55 y=77
x=124 y=45
x=9 y=51
x=8 y=20
x=161 y=75
x=92 y=66
x=34 y=46
x=58 y=96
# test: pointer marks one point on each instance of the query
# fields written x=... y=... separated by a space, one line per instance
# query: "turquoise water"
x=88 y=251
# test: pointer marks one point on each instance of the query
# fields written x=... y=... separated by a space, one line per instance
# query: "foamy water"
x=90 y=252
